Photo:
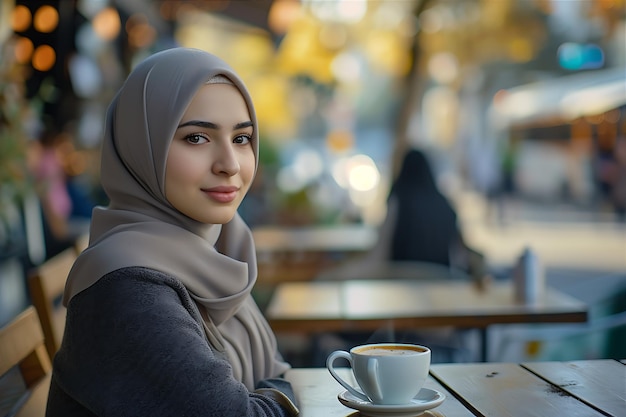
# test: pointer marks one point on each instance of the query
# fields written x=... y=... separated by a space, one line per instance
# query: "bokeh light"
x=23 y=50
x=347 y=67
x=339 y=141
x=140 y=32
x=46 y=19
x=363 y=174
x=107 y=24
x=443 y=67
x=307 y=167
x=21 y=18
x=282 y=14
x=85 y=76
x=347 y=11
x=358 y=173
x=44 y=58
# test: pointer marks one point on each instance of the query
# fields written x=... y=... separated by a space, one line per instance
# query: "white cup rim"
x=423 y=349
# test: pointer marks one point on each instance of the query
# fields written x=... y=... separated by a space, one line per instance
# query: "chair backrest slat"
x=22 y=347
x=22 y=343
x=47 y=283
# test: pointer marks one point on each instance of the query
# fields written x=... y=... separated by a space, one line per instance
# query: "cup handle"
x=329 y=364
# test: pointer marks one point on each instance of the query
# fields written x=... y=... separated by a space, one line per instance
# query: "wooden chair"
x=47 y=282
x=23 y=352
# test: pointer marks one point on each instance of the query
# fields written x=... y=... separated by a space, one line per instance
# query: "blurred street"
x=563 y=236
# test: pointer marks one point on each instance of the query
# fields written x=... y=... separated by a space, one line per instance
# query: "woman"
x=160 y=320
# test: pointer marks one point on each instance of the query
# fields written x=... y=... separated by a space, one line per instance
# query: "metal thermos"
x=529 y=277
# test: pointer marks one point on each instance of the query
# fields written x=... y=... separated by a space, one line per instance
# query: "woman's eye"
x=196 y=139
x=242 y=139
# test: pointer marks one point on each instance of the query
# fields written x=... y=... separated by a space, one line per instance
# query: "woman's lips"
x=222 y=194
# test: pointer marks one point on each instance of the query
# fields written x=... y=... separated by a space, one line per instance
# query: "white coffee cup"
x=388 y=373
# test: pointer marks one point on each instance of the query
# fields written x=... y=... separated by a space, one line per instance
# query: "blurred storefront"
x=571 y=126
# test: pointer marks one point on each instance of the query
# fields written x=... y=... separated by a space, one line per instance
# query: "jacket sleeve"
x=133 y=348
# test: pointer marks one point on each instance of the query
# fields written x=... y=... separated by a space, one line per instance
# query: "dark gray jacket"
x=134 y=345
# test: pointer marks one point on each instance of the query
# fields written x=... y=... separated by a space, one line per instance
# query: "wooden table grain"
x=600 y=382
x=575 y=389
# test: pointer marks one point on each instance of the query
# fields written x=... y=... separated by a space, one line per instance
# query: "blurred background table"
x=300 y=253
x=369 y=305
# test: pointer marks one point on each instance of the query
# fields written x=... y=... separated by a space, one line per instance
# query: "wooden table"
x=368 y=305
x=300 y=254
x=548 y=389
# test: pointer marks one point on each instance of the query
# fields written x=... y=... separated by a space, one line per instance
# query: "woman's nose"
x=226 y=161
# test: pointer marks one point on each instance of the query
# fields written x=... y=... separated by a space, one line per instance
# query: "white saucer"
x=424 y=400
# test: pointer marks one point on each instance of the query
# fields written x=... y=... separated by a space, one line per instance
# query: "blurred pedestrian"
x=424 y=223
x=618 y=179
x=46 y=165
x=65 y=207
x=421 y=223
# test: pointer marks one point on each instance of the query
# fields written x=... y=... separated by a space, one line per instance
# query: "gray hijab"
x=216 y=263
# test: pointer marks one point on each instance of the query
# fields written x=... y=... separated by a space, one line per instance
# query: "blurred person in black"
x=420 y=227
x=423 y=222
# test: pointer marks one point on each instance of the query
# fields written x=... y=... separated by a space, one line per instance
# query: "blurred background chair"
x=47 y=283
x=25 y=367
x=572 y=342
x=603 y=336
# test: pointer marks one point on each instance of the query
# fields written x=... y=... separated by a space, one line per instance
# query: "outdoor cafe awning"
x=560 y=100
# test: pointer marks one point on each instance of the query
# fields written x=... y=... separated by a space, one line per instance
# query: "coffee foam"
x=390 y=350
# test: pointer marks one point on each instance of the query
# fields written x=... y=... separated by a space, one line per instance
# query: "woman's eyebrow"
x=243 y=125
x=211 y=125
x=199 y=123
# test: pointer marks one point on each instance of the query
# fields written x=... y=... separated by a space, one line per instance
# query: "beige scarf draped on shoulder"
x=216 y=263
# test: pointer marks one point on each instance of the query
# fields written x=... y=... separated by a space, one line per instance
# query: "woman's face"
x=211 y=162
